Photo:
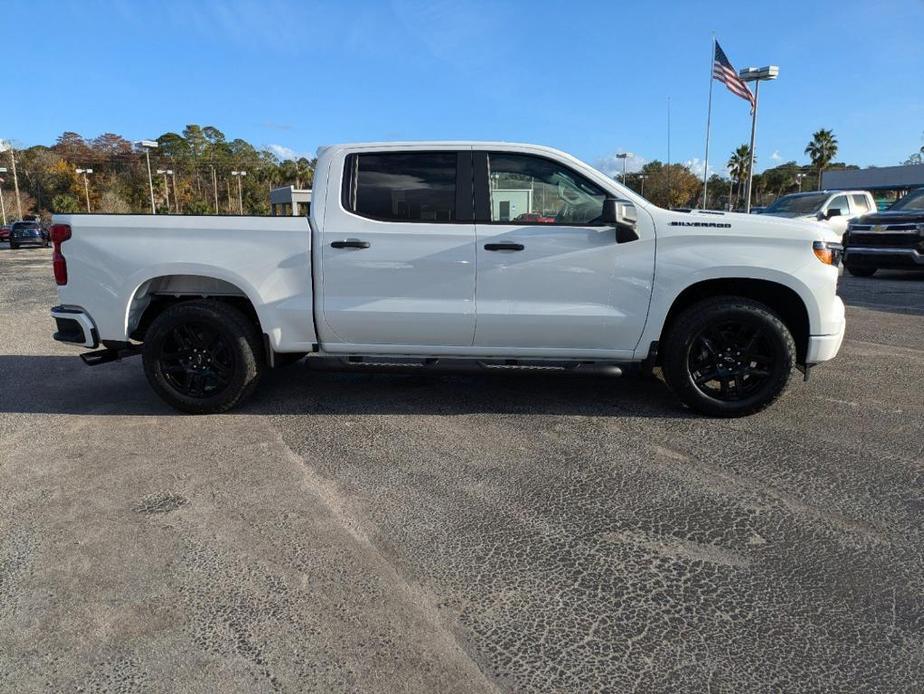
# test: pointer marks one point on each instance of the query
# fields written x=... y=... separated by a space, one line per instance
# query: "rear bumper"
x=825 y=347
x=884 y=257
x=75 y=326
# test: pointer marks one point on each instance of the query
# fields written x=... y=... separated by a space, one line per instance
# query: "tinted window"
x=859 y=203
x=533 y=190
x=25 y=225
x=912 y=201
x=798 y=204
x=839 y=203
x=405 y=187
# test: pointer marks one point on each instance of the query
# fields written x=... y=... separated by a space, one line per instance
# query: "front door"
x=552 y=279
x=398 y=253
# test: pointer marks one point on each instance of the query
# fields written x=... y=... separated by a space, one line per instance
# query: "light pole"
x=799 y=177
x=623 y=156
x=642 y=178
x=755 y=75
x=86 y=185
x=147 y=146
x=215 y=187
x=2 y=204
x=176 y=198
x=240 y=195
x=166 y=172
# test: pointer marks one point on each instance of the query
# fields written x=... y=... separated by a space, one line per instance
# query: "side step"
x=461 y=365
x=104 y=356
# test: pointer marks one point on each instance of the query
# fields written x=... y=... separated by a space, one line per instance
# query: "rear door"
x=552 y=279
x=398 y=252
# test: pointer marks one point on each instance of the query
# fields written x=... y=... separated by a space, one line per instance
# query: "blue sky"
x=592 y=78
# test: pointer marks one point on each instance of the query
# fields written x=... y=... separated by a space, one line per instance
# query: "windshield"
x=26 y=225
x=797 y=204
x=913 y=201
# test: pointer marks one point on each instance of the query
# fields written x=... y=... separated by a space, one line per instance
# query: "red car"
x=535 y=217
x=5 y=232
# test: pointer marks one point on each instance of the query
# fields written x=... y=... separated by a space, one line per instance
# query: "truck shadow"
x=45 y=384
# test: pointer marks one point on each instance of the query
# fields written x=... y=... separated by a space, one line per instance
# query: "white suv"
x=834 y=208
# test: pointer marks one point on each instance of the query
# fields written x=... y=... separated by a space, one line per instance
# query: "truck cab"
x=835 y=209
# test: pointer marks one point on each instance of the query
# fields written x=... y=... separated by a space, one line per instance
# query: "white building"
x=290 y=201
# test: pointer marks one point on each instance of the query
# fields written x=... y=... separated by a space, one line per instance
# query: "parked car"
x=892 y=239
x=758 y=210
x=404 y=256
x=835 y=209
x=5 y=232
x=27 y=234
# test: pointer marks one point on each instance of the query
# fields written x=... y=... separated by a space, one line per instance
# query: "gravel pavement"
x=450 y=532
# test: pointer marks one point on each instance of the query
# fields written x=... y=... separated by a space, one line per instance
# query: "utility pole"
x=240 y=195
x=176 y=198
x=165 y=173
x=147 y=146
x=15 y=177
x=624 y=156
x=2 y=204
x=86 y=185
x=215 y=187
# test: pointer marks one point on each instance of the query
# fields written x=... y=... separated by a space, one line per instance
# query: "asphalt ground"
x=418 y=532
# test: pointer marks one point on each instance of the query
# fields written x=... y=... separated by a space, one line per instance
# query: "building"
x=885 y=179
x=290 y=201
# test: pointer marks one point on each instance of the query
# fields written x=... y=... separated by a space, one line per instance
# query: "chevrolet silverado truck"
x=891 y=240
x=494 y=253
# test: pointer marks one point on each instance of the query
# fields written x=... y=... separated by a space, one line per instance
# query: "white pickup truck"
x=490 y=252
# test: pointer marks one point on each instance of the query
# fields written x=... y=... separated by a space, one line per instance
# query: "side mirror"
x=833 y=212
x=623 y=216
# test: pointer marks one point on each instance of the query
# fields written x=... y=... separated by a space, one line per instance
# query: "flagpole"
x=669 y=190
x=747 y=204
x=708 y=126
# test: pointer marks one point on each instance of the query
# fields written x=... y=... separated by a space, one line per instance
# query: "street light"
x=240 y=196
x=799 y=177
x=147 y=146
x=2 y=204
x=167 y=172
x=9 y=146
x=756 y=75
x=86 y=186
x=642 y=177
x=623 y=156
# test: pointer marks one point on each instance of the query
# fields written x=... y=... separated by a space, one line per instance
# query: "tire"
x=203 y=357
x=861 y=271
x=14 y=246
x=704 y=358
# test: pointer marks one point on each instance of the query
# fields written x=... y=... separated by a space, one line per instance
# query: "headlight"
x=828 y=253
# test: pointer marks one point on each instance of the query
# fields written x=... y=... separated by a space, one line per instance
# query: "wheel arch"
x=155 y=294
x=783 y=300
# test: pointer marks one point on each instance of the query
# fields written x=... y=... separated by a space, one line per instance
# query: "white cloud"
x=284 y=152
x=776 y=155
x=697 y=165
x=611 y=165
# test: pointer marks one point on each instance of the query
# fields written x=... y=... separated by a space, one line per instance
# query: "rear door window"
x=403 y=186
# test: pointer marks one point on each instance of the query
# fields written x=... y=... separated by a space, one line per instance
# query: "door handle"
x=504 y=247
x=350 y=243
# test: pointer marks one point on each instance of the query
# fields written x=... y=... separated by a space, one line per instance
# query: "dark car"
x=892 y=239
x=27 y=234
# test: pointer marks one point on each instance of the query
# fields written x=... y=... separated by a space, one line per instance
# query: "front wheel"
x=861 y=271
x=202 y=357
x=728 y=356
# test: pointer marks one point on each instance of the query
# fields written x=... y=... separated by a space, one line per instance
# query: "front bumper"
x=884 y=257
x=825 y=347
x=75 y=326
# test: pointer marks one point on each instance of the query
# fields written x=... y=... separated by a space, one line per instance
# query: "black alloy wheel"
x=196 y=360
x=728 y=356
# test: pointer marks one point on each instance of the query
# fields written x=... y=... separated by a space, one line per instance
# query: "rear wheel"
x=13 y=246
x=861 y=271
x=203 y=357
x=728 y=356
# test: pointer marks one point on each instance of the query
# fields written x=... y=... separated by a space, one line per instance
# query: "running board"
x=456 y=364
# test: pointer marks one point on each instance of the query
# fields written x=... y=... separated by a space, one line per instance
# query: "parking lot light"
x=86 y=185
x=147 y=146
x=755 y=75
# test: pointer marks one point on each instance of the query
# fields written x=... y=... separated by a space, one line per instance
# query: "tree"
x=674 y=186
x=738 y=165
x=822 y=149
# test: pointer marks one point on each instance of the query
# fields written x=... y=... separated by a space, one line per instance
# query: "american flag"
x=723 y=71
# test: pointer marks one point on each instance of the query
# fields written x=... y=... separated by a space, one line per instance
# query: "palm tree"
x=738 y=165
x=822 y=149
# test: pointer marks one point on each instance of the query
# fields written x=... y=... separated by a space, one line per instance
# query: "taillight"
x=59 y=234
